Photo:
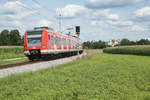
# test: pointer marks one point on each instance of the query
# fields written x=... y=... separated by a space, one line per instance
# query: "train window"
x=67 y=42
x=59 y=41
x=71 y=43
x=52 y=40
x=49 y=37
x=56 y=40
x=64 y=41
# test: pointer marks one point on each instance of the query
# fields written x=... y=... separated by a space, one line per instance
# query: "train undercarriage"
x=36 y=55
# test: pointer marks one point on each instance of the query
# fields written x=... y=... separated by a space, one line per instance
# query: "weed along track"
x=18 y=68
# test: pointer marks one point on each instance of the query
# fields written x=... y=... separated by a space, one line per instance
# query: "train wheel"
x=30 y=58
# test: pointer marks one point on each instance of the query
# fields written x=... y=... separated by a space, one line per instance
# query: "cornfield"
x=137 y=50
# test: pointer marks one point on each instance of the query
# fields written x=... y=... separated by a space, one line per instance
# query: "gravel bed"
x=37 y=66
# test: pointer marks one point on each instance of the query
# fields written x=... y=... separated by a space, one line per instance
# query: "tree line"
x=124 y=42
x=12 y=37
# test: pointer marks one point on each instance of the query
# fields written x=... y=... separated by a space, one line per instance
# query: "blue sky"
x=99 y=19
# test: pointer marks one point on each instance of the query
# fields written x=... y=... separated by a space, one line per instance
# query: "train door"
x=60 y=48
x=69 y=43
x=52 y=42
x=55 y=45
x=64 y=43
x=56 y=42
x=49 y=41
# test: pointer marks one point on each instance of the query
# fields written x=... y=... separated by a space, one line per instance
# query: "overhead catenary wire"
x=36 y=12
x=31 y=9
x=45 y=7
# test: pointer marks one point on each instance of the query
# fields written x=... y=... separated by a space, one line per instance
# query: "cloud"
x=120 y=23
x=112 y=3
x=44 y=22
x=138 y=28
x=16 y=10
x=71 y=10
x=103 y=14
x=13 y=13
x=13 y=6
x=142 y=14
x=94 y=23
x=13 y=23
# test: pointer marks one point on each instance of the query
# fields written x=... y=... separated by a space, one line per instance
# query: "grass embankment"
x=11 y=46
x=135 y=50
x=7 y=53
x=102 y=76
x=13 y=61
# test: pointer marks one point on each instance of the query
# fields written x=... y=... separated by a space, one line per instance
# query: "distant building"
x=112 y=43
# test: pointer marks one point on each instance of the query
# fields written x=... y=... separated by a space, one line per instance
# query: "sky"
x=99 y=19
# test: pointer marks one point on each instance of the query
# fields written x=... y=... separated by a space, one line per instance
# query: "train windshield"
x=34 y=38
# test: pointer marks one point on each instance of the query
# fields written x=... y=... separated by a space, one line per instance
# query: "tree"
x=94 y=44
x=125 y=42
x=143 y=42
x=4 y=38
x=15 y=37
x=22 y=40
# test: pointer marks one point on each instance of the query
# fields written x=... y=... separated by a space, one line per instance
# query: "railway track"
x=87 y=52
x=16 y=64
x=27 y=63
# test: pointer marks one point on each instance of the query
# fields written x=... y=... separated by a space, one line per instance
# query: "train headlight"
x=43 y=46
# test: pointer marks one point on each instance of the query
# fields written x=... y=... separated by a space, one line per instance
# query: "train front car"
x=45 y=43
x=34 y=43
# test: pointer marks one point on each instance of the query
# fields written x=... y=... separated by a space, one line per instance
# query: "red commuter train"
x=43 y=42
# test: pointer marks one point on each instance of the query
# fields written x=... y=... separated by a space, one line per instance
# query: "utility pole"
x=60 y=22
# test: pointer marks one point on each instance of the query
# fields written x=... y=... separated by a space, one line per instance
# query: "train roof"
x=52 y=30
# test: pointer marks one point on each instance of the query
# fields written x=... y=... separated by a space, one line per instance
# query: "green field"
x=99 y=77
x=11 y=52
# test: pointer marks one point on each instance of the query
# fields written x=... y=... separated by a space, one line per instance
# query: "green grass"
x=135 y=50
x=6 y=53
x=5 y=62
x=100 y=77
